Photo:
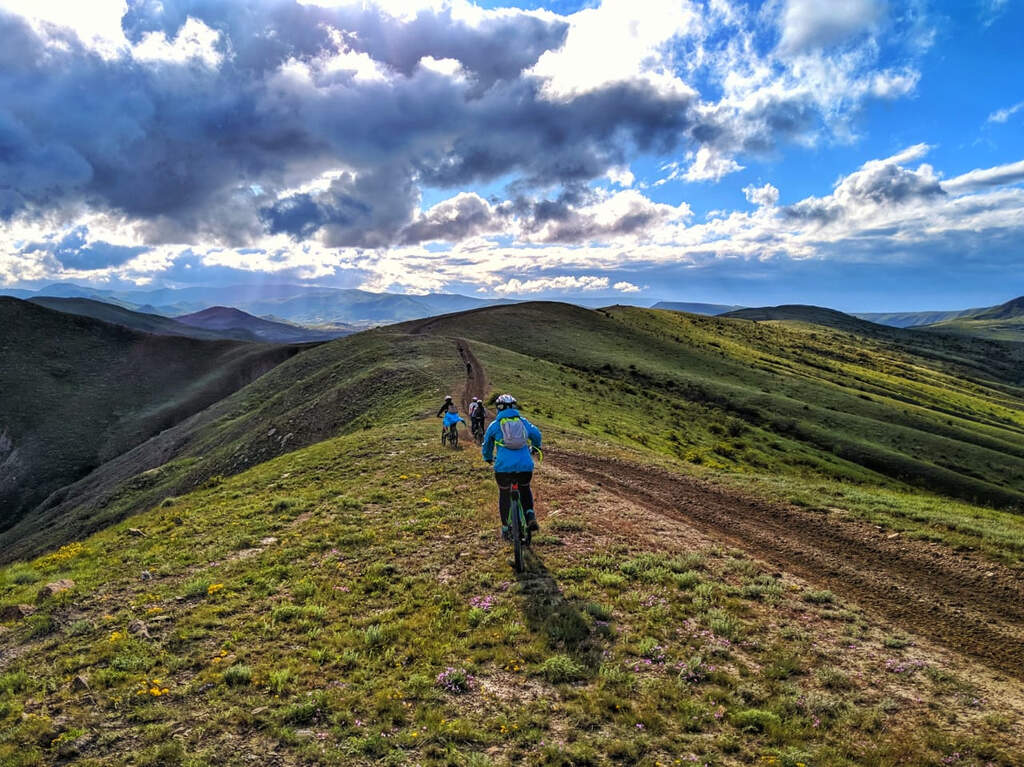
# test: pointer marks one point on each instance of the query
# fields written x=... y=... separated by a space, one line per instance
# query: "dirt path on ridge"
x=476 y=377
x=966 y=603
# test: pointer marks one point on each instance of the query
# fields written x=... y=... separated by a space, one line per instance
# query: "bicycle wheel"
x=453 y=438
x=515 y=513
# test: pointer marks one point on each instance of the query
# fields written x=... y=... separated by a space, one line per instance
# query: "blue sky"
x=866 y=155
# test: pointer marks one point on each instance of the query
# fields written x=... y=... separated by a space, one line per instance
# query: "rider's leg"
x=504 y=480
x=526 y=495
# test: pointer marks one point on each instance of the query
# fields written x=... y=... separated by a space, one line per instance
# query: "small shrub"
x=562 y=668
x=755 y=720
x=24 y=577
x=687 y=579
x=285 y=613
x=598 y=612
x=280 y=680
x=79 y=628
x=376 y=636
x=197 y=587
x=819 y=597
x=304 y=590
x=610 y=580
x=238 y=676
x=14 y=682
x=896 y=641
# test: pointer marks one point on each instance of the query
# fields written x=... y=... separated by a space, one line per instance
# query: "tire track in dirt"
x=969 y=605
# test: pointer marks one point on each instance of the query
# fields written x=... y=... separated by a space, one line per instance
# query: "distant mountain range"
x=218 y=322
x=696 y=308
x=334 y=311
x=299 y=304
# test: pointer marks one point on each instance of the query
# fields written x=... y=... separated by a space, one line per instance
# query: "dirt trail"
x=962 y=601
x=967 y=604
x=476 y=377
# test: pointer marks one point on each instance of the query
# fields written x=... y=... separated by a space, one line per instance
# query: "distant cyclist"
x=515 y=439
x=445 y=407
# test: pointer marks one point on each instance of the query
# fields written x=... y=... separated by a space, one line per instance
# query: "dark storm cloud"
x=465 y=215
x=214 y=150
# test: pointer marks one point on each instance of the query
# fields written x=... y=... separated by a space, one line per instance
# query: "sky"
x=866 y=155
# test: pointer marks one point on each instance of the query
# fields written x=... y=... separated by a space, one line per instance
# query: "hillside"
x=1002 y=323
x=117 y=315
x=245 y=327
x=814 y=315
x=329 y=599
x=912 y=319
x=78 y=392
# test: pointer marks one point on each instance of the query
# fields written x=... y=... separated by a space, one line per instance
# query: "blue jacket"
x=509 y=460
x=450 y=418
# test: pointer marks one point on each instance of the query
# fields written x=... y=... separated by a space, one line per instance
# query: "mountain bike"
x=518 y=529
x=453 y=435
x=478 y=432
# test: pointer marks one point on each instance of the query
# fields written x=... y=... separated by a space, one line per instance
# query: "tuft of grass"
x=562 y=668
x=819 y=597
x=238 y=675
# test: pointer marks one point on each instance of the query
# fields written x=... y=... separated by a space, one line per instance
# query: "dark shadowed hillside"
x=235 y=323
x=118 y=315
x=77 y=392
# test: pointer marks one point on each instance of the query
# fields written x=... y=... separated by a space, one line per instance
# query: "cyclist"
x=451 y=418
x=515 y=439
x=444 y=408
x=477 y=414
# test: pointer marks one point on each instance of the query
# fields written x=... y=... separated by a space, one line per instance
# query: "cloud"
x=519 y=287
x=626 y=287
x=75 y=251
x=618 y=41
x=463 y=216
x=812 y=24
x=1011 y=173
x=708 y=165
x=206 y=118
x=762 y=196
x=626 y=213
x=1002 y=115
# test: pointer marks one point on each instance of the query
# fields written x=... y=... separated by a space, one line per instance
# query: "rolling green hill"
x=78 y=392
x=781 y=406
x=282 y=594
x=1001 y=323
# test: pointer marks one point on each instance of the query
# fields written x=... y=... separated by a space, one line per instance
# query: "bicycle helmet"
x=446 y=399
x=505 y=400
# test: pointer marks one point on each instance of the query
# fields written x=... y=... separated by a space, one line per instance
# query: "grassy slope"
x=303 y=611
x=77 y=392
x=1002 y=323
x=334 y=388
x=795 y=412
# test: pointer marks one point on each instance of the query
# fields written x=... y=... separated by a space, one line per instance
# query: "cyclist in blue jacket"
x=509 y=442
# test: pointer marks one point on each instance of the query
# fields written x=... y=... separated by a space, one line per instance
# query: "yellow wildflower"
x=214 y=588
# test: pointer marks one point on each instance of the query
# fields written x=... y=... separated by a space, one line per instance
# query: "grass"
x=357 y=637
